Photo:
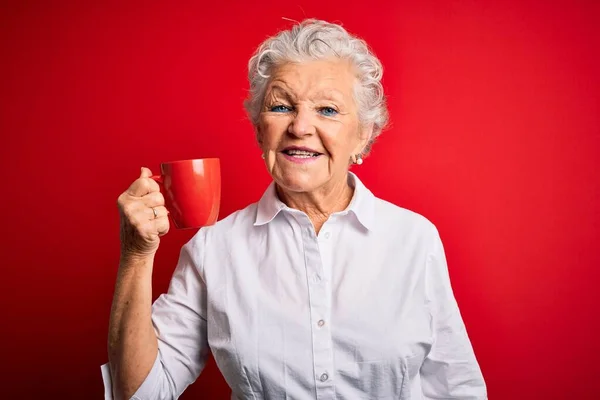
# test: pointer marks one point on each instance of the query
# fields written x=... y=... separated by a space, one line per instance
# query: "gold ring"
x=154 y=212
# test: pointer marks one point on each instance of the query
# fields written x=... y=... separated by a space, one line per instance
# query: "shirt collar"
x=362 y=204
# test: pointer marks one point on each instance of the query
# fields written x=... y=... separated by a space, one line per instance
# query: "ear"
x=258 y=134
x=365 y=133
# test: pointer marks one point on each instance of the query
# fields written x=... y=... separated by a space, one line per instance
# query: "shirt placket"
x=319 y=301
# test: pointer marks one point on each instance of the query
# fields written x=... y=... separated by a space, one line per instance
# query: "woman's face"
x=308 y=127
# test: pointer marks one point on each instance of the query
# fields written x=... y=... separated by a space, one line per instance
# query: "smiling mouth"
x=301 y=153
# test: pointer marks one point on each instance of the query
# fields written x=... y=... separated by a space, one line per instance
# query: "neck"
x=321 y=203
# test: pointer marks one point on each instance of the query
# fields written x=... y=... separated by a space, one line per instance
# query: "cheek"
x=270 y=132
x=338 y=143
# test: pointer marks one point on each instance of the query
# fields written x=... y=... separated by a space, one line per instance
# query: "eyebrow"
x=279 y=90
x=325 y=94
x=331 y=94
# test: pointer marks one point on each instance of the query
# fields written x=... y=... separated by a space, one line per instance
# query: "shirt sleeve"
x=450 y=370
x=179 y=320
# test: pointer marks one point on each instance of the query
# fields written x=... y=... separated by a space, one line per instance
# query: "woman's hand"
x=144 y=218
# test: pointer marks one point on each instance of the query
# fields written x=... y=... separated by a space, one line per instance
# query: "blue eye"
x=328 y=111
x=280 y=108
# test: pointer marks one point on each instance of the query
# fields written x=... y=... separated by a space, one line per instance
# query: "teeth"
x=301 y=153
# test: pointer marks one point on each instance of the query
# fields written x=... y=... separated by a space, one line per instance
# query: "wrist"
x=130 y=260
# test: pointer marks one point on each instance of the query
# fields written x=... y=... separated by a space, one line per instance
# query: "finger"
x=162 y=225
x=160 y=212
x=143 y=186
x=145 y=173
x=153 y=199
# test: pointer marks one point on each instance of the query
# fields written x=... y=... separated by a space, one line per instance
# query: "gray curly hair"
x=314 y=39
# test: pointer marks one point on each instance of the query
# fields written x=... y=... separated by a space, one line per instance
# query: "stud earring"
x=262 y=156
x=358 y=159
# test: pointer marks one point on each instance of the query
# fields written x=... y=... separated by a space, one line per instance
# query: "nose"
x=303 y=123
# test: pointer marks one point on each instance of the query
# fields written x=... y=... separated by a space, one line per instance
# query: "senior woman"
x=320 y=290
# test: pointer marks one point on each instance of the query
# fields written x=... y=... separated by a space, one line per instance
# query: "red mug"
x=192 y=191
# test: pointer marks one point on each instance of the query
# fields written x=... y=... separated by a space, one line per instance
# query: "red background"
x=495 y=138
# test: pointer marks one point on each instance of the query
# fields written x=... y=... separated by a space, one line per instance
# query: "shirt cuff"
x=106 y=379
x=146 y=390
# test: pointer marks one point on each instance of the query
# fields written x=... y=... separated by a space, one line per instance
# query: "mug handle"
x=157 y=178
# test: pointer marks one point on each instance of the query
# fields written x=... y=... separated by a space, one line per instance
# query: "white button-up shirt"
x=363 y=310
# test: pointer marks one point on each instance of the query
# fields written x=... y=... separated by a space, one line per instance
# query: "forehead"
x=332 y=77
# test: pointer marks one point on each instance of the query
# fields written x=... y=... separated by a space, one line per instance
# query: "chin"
x=299 y=182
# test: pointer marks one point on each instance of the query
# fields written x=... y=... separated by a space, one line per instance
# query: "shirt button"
x=324 y=377
x=327 y=234
x=321 y=322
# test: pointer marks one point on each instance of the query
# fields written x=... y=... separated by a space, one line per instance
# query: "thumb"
x=145 y=173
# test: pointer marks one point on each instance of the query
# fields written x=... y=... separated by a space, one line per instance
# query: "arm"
x=132 y=343
x=156 y=351
x=450 y=370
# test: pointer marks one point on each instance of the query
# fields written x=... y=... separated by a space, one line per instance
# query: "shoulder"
x=242 y=218
x=391 y=217
x=234 y=223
